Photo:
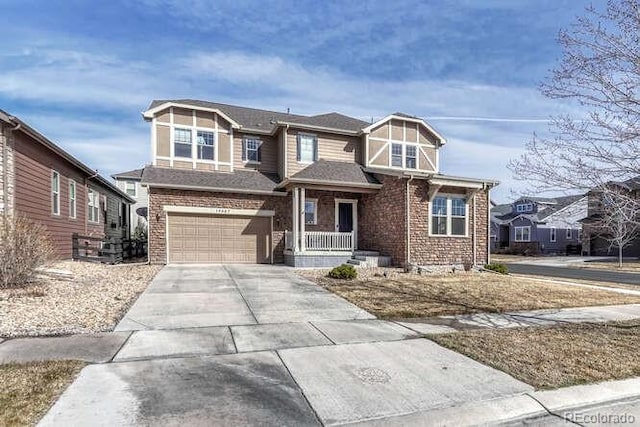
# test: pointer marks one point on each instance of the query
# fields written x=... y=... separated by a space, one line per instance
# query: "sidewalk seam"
x=551 y=412
x=315 y=414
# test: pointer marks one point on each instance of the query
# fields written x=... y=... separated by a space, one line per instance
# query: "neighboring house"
x=44 y=183
x=539 y=225
x=231 y=184
x=596 y=244
x=129 y=182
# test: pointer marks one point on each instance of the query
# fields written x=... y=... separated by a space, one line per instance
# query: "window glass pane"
x=440 y=206
x=130 y=188
x=411 y=157
x=396 y=155
x=439 y=225
x=182 y=142
x=307 y=148
x=458 y=207
x=55 y=182
x=251 y=147
x=310 y=212
x=526 y=234
x=205 y=145
x=458 y=226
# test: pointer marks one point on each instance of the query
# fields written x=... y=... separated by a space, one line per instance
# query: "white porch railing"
x=323 y=241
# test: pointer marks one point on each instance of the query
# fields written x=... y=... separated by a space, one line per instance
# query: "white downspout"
x=488 y=224
x=408 y=226
x=475 y=237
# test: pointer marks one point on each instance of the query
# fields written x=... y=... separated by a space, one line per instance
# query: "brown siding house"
x=250 y=185
x=42 y=182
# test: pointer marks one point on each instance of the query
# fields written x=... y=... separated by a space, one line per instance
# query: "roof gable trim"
x=390 y=117
x=151 y=112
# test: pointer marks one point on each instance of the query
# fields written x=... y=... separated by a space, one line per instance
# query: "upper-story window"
x=206 y=142
x=524 y=207
x=55 y=193
x=410 y=157
x=396 y=155
x=307 y=148
x=130 y=188
x=404 y=156
x=449 y=216
x=251 y=149
x=72 y=199
x=182 y=142
x=93 y=206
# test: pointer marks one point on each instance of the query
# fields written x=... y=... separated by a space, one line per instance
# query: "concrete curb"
x=523 y=407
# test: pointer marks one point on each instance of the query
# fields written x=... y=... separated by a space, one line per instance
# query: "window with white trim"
x=448 y=216
x=523 y=234
x=569 y=234
x=307 y=148
x=251 y=149
x=311 y=211
x=396 y=155
x=182 y=143
x=553 y=234
x=93 y=206
x=72 y=198
x=130 y=188
x=206 y=144
x=524 y=207
x=55 y=193
x=579 y=236
x=410 y=156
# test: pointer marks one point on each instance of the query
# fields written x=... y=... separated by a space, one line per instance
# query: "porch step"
x=354 y=261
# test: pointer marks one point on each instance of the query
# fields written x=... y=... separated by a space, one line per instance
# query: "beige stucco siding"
x=205 y=119
x=427 y=137
x=183 y=116
x=330 y=147
x=268 y=153
x=163 y=138
x=164 y=116
x=383 y=157
x=381 y=131
x=224 y=148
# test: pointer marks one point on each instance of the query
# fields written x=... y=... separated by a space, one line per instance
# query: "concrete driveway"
x=247 y=345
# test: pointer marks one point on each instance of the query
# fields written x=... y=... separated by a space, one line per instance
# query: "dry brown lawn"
x=410 y=295
x=28 y=390
x=504 y=258
x=557 y=356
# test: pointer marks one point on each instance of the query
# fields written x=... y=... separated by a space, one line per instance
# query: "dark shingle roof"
x=251 y=181
x=132 y=174
x=551 y=206
x=265 y=120
x=560 y=203
x=336 y=172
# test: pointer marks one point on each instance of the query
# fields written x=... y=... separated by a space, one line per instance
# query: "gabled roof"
x=560 y=203
x=135 y=174
x=264 y=121
x=505 y=212
x=335 y=173
x=238 y=181
x=409 y=118
x=20 y=126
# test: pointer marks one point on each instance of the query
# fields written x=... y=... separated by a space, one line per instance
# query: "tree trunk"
x=620 y=256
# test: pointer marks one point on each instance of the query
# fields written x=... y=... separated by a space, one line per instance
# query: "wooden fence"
x=107 y=249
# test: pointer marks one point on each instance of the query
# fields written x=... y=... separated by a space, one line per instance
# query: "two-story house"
x=130 y=183
x=44 y=183
x=539 y=225
x=230 y=184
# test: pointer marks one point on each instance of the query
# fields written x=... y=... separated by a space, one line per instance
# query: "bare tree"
x=600 y=72
x=617 y=218
x=599 y=143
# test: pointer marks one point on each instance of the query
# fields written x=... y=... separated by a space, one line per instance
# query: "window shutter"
x=298 y=148
x=244 y=150
x=260 y=151
x=315 y=149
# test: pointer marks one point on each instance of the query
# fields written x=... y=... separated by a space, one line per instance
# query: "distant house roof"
x=504 y=213
x=254 y=119
x=238 y=181
x=21 y=126
x=336 y=173
x=135 y=174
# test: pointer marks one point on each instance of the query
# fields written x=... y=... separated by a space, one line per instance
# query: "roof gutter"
x=288 y=181
x=213 y=189
x=320 y=128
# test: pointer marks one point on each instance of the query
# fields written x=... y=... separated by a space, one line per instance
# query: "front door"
x=345 y=217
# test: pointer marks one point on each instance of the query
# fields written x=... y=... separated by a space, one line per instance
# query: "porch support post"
x=294 y=219
x=303 y=241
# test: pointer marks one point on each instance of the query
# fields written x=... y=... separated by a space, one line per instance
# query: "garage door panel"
x=218 y=239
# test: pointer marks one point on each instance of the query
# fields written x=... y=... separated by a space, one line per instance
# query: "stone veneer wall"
x=160 y=197
x=429 y=250
x=6 y=200
x=382 y=219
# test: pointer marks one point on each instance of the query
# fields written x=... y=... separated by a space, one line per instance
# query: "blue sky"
x=82 y=71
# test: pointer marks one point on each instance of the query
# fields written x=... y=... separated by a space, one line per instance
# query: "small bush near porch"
x=403 y=295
